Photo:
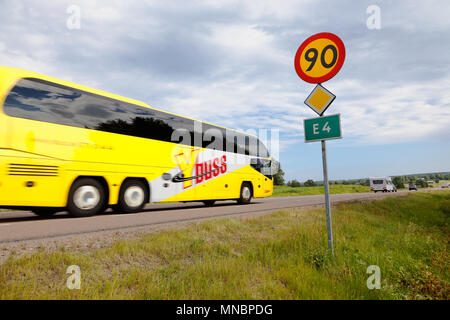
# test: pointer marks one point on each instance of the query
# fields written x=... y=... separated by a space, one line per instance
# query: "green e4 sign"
x=323 y=128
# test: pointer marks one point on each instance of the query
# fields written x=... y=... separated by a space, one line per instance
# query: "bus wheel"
x=209 y=203
x=45 y=212
x=86 y=198
x=133 y=196
x=246 y=193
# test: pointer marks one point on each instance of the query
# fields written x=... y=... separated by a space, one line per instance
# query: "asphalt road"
x=18 y=226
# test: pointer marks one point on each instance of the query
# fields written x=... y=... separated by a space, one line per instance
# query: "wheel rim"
x=86 y=197
x=134 y=196
x=246 y=193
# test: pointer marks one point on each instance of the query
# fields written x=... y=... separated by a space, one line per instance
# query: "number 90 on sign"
x=320 y=57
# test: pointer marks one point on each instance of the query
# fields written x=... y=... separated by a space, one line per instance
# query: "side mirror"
x=274 y=167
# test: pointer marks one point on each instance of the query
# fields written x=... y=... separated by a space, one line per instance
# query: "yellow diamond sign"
x=319 y=99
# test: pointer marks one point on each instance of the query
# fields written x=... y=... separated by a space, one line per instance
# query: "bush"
x=278 y=178
x=294 y=183
x=398 y=182
x=421 y=183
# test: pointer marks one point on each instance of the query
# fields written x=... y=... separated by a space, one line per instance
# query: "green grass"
x=283 y=191
x=438 y=185
x=279 y=256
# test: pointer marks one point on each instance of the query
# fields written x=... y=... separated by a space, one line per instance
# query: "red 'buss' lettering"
x=223 y=163
x=211 y=168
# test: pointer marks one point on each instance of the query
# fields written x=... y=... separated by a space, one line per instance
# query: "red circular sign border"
x=336 y=68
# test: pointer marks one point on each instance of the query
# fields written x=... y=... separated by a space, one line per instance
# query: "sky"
x=231 y=63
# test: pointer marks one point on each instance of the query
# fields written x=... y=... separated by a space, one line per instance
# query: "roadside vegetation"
x=311 y=187
x=279 y=256
x=283 y=191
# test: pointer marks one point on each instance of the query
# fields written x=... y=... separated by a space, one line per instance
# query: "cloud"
x=231 y=62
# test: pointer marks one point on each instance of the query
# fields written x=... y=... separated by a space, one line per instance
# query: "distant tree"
x=309 y=183
x=365 y=182
x=345 y=182
x=294 y=183
x=398 y=182
x=412 y=180
x=421 y=183
x=278 y=179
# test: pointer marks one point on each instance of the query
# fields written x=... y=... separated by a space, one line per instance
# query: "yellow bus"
x=64 y=146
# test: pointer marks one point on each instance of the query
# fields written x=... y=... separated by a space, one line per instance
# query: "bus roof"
x=16 y=74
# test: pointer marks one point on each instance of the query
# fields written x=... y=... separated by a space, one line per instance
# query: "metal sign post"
x=310 y=68
x=322 y=129
x=327 y=196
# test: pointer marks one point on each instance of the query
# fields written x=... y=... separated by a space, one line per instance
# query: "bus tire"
x=209 y=203
x=45 y=212
x=246 y=193
x=132 y=197
x=87 y=197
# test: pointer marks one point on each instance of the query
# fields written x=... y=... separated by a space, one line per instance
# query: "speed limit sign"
x=320 y=57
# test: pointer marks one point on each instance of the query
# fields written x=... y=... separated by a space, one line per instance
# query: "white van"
x=383 y=184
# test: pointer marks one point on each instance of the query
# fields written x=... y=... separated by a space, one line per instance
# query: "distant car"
x=412 y=187
x=445 y=185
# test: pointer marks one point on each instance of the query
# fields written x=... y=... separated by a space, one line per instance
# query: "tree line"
x=421 y=180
